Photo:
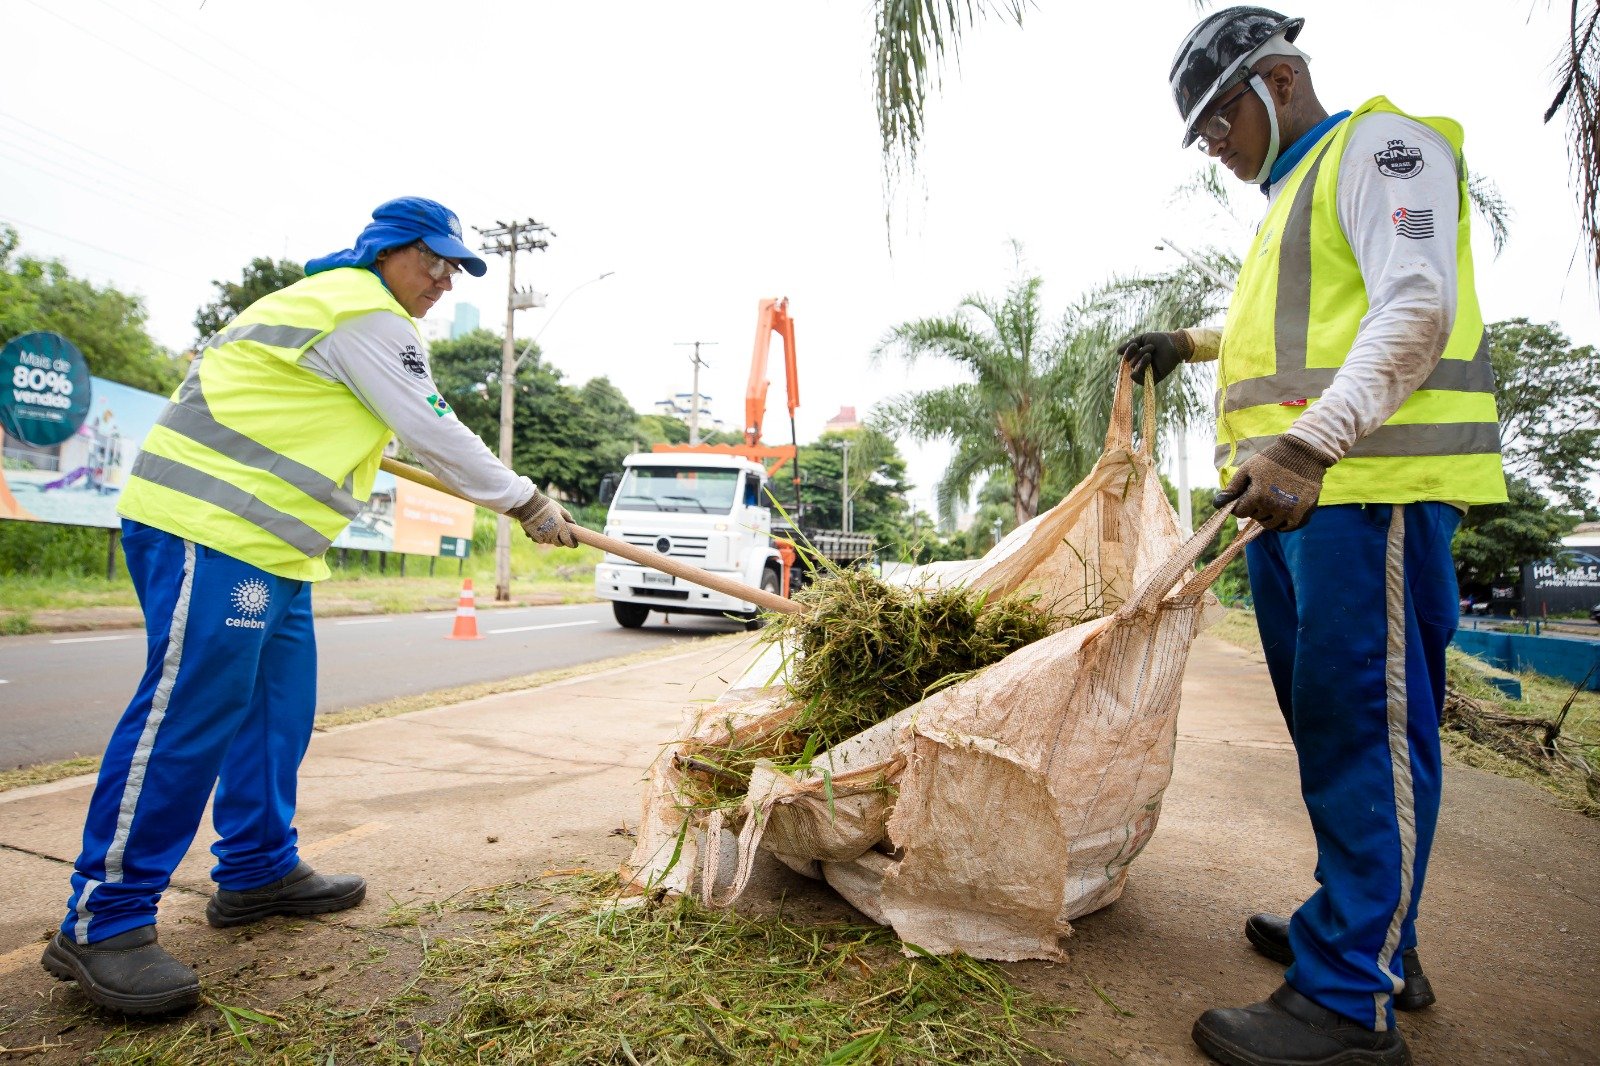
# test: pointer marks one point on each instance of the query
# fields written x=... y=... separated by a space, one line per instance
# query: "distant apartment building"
x=466 y=320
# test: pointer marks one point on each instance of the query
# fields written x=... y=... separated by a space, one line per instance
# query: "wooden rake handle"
x=621 y=548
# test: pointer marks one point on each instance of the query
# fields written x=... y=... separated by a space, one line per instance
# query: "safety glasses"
x=1216 y=128
x=437 y=266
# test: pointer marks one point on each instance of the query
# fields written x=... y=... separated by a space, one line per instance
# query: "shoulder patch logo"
x=1412 y=223
x=412 y=361
x=437 y=402
x=1399 y=161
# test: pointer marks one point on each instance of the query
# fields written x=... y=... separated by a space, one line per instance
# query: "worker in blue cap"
x=261 y=458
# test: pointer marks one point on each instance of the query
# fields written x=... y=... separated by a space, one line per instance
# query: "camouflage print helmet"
x=1214 y=57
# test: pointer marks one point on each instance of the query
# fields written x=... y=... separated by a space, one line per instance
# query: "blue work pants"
x=1355 y=610
x=227 y=699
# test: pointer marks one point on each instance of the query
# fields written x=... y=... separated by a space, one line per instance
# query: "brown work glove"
x=1279 y=486
x=545 y=521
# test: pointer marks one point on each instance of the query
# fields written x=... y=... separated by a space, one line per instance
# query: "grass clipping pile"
x=862 y=651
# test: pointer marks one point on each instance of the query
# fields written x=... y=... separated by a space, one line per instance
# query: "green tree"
x=106 y=324
x=261 y=277
x=1494 y=541
x=1548 y=394
x=562 y=436
x=877 y=485
x=1015 y=414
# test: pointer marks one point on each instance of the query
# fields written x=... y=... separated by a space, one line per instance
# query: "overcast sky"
x=710 y=153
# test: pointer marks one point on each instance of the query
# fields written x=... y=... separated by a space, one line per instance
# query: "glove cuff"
x=1297 y=457
x=1184 y=343
x=527 y=508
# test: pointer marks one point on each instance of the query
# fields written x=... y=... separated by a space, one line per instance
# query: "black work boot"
x=1269 y=935
x=129 y=973
x=303 y=891
x=1287 y=1029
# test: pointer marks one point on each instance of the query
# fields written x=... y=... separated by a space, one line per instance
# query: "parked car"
x=1594 y=613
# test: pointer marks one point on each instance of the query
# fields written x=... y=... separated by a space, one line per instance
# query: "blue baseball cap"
x=400 y=222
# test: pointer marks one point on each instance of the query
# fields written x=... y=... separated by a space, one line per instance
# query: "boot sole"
x=219 y=917
x=64 y=966
x=1231 y=1055
x=1409 y=1000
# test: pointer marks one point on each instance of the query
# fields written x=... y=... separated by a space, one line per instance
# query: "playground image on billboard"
x=69 y=441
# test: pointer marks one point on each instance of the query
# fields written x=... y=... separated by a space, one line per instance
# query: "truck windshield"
x=667 y=488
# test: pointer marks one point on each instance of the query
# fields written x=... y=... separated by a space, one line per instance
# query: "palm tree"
x=1015 y=415
x=913 y=38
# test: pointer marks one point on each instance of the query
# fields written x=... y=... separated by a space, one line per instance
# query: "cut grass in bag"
x=863 y=650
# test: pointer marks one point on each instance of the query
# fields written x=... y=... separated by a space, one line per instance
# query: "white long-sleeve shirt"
x=1402 y=230
x=383 y=361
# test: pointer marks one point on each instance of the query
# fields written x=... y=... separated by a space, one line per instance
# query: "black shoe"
x=1287 y=1029
x=1269 y=935
x=303 y=891
x=129 y=973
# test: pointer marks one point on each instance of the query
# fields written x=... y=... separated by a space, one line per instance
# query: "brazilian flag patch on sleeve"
x=437 y=402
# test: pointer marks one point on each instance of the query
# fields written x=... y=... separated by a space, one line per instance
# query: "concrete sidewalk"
x=432 y=804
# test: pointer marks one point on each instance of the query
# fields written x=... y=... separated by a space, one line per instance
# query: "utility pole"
x=507 y=239
x=845 y=517
x=694 y=397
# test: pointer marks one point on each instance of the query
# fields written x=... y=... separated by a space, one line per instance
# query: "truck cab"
x=706 y=509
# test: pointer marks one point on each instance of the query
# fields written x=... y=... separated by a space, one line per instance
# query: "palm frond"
x=1492 y=208
x=1579 y=92
x=911 y=42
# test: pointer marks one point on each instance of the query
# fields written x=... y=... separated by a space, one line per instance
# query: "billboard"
x=72 y=472
x=1561 y=586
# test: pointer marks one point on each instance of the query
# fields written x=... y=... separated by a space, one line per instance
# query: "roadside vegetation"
x=552 y=971
x=1550 y=737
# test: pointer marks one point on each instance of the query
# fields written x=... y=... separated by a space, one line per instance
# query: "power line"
x=15 y=221
x=163 y=184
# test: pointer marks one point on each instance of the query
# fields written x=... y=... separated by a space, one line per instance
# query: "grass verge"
x=45 y=773
x=554 y=973
x=33 y=603
x=1542 y=701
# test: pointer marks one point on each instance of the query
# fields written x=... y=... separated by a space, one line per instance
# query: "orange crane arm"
x=772 y=317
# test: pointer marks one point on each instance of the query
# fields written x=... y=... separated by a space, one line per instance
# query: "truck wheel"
x=629 y=615
x=769 y=583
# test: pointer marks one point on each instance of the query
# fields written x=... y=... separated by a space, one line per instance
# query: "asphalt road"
x=60 y=694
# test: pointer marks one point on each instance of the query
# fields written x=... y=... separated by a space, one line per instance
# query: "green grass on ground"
x=538 y=573
x=551 y=972
x=1542 y=701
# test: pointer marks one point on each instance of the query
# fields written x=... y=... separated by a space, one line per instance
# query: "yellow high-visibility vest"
x=1294 y=314
x=256 y=456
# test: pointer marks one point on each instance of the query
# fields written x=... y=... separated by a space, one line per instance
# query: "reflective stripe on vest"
x=1446 y=431
x=190 y=415
x=255 y=455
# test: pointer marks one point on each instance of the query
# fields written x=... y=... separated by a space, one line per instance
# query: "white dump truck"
x=712 y=510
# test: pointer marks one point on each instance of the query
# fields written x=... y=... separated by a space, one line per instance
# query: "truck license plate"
x=651 y=577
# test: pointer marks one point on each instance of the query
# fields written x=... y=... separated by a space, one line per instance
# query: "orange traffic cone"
x=466 y=615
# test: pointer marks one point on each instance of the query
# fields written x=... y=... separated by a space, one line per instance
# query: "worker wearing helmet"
x=261 y=458
x=1356 y=421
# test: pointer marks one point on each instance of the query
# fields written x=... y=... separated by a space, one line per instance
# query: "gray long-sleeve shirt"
x=381 y=359
x=1403 y=233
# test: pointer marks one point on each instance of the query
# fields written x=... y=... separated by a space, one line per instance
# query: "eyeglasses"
x=438 y=267
x=1216 y=128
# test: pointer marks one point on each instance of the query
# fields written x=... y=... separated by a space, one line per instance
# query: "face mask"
x=1259 y=84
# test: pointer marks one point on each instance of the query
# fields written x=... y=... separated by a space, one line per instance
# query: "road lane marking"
x=317 y=847
x=362 y=621
x=92 y=640
x=550 y=625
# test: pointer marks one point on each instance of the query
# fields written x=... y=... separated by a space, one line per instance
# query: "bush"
x=45 y=548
